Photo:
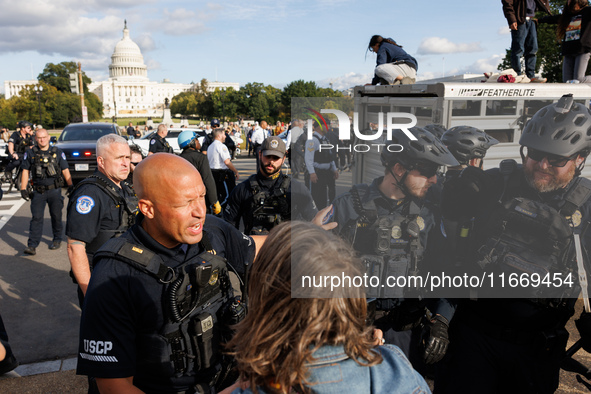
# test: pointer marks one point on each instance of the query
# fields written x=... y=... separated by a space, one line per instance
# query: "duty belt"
x=44 y=188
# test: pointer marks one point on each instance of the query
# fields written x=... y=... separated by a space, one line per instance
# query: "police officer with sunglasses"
x=388 y=222
x=526 y=221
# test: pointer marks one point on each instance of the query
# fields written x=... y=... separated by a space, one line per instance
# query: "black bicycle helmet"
x=467 y=143
x=23 y=123
x=562 y=128
x=436 y=129
x=426 y=148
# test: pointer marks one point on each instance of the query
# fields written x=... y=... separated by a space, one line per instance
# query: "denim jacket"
x=332 y=371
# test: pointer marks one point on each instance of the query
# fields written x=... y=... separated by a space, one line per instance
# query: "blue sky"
x=273 y=42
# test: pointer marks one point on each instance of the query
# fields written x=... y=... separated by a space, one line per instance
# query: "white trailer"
x=499 y=109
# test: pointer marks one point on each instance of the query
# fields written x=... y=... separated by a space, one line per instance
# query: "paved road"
x=39 y=305
x=37 y=297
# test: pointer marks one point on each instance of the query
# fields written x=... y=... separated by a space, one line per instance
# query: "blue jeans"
x=54 y=199
x=574 y=67
x=524 y=42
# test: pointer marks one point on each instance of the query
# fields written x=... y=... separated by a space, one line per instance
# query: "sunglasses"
x=553 y=160
x=135 y=164
x=427 y=170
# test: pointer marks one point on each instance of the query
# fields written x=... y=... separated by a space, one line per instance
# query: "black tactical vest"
x=269 y=207
x=531 y=239
x=163 y=142
x=325 y=155
x=199 y=308
x=389 y=244
x=45 y=164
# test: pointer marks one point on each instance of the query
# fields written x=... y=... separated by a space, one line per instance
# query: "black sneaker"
x=55 y=245
x=30 y=250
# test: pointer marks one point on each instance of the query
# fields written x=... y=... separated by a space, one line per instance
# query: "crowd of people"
x=154 y=241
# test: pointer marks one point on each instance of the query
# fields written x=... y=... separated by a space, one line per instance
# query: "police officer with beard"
x=160 y=303
x=269 y=197
x=388 y=223
x=46 y=164
x=526 y=220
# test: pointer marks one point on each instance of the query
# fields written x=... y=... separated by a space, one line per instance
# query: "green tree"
x=58 y=77
x=8 y=118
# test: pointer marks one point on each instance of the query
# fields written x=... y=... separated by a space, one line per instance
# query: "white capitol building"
x=128 y=91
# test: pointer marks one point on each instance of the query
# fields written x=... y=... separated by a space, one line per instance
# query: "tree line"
x=252 y=101
x=57 y=106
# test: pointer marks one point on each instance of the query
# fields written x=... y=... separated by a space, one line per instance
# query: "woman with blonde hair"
x=290 y=342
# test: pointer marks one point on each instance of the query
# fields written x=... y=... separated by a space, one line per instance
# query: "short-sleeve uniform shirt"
x=123 y=310
x=217 y=153
x=90 y=210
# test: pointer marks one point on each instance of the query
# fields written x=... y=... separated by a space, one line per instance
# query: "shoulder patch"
x=153 y=141
x=63 y=156
x=84 y=204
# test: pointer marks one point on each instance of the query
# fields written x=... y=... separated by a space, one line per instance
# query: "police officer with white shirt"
x=223 y=171
x=258 y=137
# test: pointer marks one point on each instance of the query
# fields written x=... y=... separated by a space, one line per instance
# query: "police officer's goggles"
x=427 y=169
x=553 y=160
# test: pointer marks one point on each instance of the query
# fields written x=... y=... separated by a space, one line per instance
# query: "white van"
x=499 y=109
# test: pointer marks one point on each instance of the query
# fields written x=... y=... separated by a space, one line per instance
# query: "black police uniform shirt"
x=91 y=209
x=123 y=314
x=27 y=164
x=241 y=199
x=20 y=143
x=159 y=144
x=201 y=163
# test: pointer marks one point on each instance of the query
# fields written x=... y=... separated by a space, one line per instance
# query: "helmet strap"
x=400 y=184
x=579 y=169
x=522 y=154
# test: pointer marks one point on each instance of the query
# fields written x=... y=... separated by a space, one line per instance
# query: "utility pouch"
x=51 y=171
x=396 y=265
x=202 y=330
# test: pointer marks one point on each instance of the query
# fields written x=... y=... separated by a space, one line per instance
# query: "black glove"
x=25 y=195
x=462 y=195
x=434 y=339
x=70 y=190
x=583 y=324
